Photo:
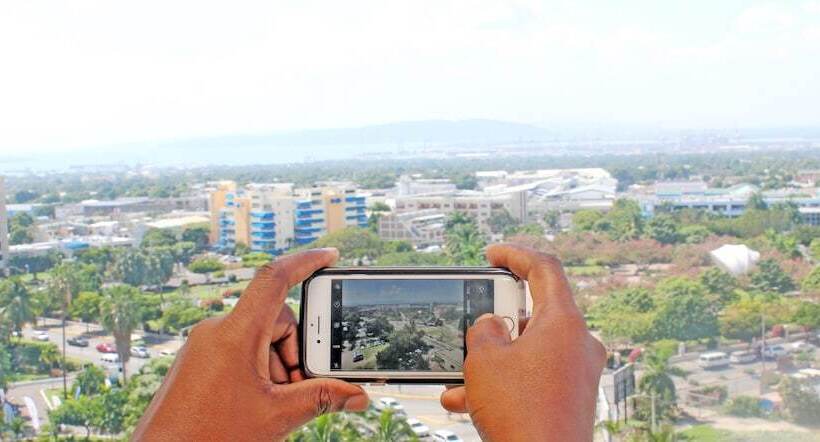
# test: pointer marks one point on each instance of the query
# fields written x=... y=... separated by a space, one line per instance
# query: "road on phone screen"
x=422 y=402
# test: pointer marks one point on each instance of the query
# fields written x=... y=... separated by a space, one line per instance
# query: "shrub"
x=232 y=293
x=744 y=406
x=206 y=265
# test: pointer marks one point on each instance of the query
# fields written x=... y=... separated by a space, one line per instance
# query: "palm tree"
x=657 y=379
x=64 y=284
x=326 y=428
x=18 y=308
x=464 y=241
x=391 y=429
x=120 y=315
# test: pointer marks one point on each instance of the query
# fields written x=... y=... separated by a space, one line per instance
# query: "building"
x=259 y=216
x=271 y=218
x=729 y=201
x=810 y=215
x=408 y=185
x=423 y=228
x=326 y=209
x=480 y=205
x=4 y=230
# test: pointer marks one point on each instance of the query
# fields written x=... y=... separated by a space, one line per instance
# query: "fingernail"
x=357 y=403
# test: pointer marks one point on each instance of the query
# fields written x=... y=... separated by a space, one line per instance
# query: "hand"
x=238 y=377
x=543 y=385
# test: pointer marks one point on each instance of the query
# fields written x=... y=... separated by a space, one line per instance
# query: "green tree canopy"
x=158 y=238
x=769 y=277
x=120 y=315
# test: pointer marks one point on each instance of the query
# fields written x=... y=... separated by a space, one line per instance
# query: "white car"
x=743 y=357
x=110 y=358
x=774 y=351
x=41 y=335
x=389 y=403
x=140 y=352
x=715 y=359
x=419 y=429
x=800 y=346
x=167 y=352
x=446 y=436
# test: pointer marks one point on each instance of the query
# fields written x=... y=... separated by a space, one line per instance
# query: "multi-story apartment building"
x=326 y=209
x=4 y=230
x=273 y=217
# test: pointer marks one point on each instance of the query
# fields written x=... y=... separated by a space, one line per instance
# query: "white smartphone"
x=400 y=325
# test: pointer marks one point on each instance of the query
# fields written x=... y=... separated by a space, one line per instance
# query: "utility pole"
x=652 y=401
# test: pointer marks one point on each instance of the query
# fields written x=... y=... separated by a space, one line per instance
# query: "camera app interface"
x=404 y=324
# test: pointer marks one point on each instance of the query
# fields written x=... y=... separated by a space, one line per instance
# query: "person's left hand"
x=238 y=376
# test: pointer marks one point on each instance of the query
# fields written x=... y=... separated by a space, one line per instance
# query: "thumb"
x=488 y=330
x=313 y=397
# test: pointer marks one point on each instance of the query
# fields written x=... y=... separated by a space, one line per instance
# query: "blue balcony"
x=305 y=240
x=306 y=222
x=308 y=213
x=355 y=209
x=355 y=199
x=263 y=215
x=263 y=235
x=263 y=225
x=307 y=230
x=303 y=205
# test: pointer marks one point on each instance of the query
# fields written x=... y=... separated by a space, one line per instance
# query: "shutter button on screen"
x=510 y=323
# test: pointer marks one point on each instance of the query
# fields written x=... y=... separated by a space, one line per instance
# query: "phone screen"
x=404 y=324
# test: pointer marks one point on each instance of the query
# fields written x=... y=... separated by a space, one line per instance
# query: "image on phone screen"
x=404 y=324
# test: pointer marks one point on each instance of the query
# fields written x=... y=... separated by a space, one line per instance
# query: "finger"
x=278 y=374
x=313 y=397
x=286 y=342
x=544 y=273
x=262 y=301
x=454 y=400
x=488 y=330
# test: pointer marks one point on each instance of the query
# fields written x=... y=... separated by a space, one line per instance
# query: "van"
x=715 y=359
x=111 y=358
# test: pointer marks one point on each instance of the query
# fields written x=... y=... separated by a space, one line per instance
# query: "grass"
x=210 y=291
x=706 y=433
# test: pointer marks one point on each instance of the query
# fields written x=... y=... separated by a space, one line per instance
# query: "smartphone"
x=400 y=325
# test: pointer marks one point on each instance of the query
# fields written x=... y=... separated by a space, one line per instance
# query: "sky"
x=106 y=73
x=386 y=291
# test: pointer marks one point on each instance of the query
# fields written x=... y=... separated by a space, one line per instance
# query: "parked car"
x=140 y=352
x=799 y=346
x=389 y=403
x=41 y=335
x=715 y=359
x=774 y=351
x=418 y=428
x=110 y=358
x=446 y=436
x=106 y=347
x=742 y=357
x=77 y=341
x=167 y=352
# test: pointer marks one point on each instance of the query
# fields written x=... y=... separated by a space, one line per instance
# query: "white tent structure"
x=736 y=259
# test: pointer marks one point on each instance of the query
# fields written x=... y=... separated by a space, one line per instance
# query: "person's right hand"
x=543 y=385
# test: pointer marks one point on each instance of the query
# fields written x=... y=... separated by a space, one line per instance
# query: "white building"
x=422 y=228
x=407 y=186
x=480 y=205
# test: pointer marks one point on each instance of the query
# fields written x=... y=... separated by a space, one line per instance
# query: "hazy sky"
x=95 y=72
x=386 y=291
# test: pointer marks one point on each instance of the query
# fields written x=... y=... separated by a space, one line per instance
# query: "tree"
x=685 y=313
x=756 y=202
x=206 y=265
x=197 y=235
x=130 y=267
x=179 y=315
x=86 y=306
x=625 y=220
x=20 y=229
x=807 y=315
x=811 y=283
x=531 y=229
x=90 y=381
x=501 y=221
x=769 y=277
x=625 y=315
x=82 y=412
x=466 y=182
x=256 y=259
x=120 y=315
x=663 y=228
x=391 y=429
x=464 y=243
x=25 y=195
x=719 y=284
x=34 y=264
x=657 y=379
x=584 y=220
x=353 y=243
x=379 y=206
x=552 y=218
x=694 y=233
x=158 y=238
x=800 y=400
x=814 y=248
x=16 y=302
